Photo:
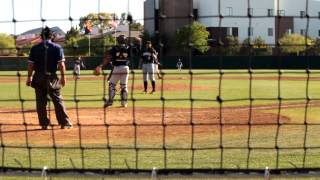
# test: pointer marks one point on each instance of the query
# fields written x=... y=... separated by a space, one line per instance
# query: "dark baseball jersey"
x=45 y=56
x=149 y=56
x=120 y=55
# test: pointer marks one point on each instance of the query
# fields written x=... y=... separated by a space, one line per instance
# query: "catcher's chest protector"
x=121 y=56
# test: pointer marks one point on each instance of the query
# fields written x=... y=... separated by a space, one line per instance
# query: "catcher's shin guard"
x=112 y=93
x=124 y=95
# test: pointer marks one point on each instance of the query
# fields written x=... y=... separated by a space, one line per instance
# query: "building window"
x=302 y=14
x=281 y=13
x=235 y=32
x=319 y=14
x=319 y=32
x=250 y=31
x=270 y=12
x=195 y=14
x=250 y=11
x=229 y=11
x=229 y=31
x=270 y=31
x=156 y=20
x=303 y=32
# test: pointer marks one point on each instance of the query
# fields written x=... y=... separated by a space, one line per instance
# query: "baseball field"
x=204 y=119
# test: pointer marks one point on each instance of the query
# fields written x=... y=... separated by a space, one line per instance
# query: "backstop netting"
x=243 y=105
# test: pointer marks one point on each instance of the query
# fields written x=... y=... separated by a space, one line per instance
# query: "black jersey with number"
x=120 y=55
x=149 y=56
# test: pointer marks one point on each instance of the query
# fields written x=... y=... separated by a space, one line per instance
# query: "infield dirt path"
x=116 y=126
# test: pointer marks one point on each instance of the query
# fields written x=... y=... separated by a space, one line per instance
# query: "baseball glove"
x=97 y=71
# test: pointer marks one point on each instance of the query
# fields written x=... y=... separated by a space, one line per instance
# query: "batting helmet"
x=121 y=39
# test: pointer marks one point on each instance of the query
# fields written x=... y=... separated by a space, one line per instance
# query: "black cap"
x=121 y=39
x=46 y=33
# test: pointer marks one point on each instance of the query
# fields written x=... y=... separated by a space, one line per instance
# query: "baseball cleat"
x=66 y=126
x=124 y=105
x=108 y=103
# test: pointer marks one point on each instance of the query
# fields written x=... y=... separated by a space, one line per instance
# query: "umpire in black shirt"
x=44 y=59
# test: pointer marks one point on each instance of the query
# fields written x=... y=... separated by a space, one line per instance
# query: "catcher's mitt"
x=97 y=71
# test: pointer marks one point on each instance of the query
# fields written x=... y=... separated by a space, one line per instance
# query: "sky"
x=28 y=13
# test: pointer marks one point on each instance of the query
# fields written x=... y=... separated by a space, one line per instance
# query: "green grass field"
x=234 y=85
x=177 y=90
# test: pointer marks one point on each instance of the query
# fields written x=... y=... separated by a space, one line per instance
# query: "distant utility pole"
x=88 y=30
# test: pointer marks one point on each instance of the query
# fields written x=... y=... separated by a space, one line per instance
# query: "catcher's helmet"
x=121 y=39
x=46 y=33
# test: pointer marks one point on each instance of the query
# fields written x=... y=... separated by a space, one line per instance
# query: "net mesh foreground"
x=212 y=126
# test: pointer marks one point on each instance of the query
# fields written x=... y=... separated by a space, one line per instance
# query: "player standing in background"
x=149 y=60
x=119 y=56
x=156 y=68
x=78 y=65
x=44 y=58
x=179 y=65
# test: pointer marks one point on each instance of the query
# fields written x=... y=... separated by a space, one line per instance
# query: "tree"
x=130 y=18
x=294 y=43
x=98 y=45
x=260 y=47
x=257 y=46
x=145 y=36
x=135 y=26
x=195 y=35
x=100 y=20
x=155 y=39
x=123 y=18
x=246 y=46
x=317 y=46
x=25 y=49
x=71 y=46
x=231 y=45
x=72 y=33
x=7 y=45
x=101 y=45
x=71 y=41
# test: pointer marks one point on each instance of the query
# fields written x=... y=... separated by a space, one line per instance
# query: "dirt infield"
x=119 y=126
x=122 y=126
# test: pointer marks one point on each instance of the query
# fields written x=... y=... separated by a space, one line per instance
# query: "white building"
x=245 y=18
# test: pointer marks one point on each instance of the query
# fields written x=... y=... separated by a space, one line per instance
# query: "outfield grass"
x=235 y=86
x=90 y=92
